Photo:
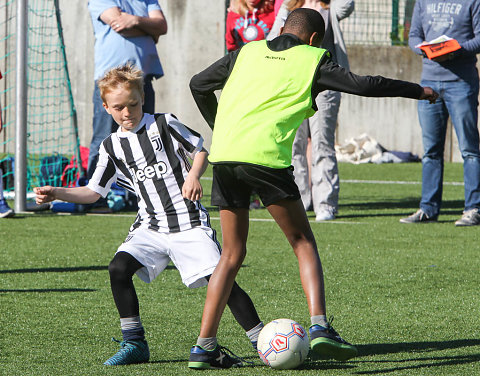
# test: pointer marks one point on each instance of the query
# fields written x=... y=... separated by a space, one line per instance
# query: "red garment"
x=278 y=4
x=258 y=27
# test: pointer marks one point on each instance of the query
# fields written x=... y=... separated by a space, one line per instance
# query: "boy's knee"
x=298 y=240
x=235 y=259
x=118 y=267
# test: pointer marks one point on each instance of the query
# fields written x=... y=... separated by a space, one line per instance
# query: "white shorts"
x=194 y=252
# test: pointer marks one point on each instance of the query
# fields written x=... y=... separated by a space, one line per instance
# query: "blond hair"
x=295 y=4
x=241 y=6
x=125 y=75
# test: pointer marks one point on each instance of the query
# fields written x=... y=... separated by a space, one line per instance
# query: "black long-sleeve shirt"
x=328 y=76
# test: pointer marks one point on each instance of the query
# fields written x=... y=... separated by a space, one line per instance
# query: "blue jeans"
x=459 y=100
x=104 y=125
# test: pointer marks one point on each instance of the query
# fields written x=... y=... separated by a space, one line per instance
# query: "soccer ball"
x=283 y=344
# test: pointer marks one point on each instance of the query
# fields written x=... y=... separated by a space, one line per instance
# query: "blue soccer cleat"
x=130 y=352
x=5 y=210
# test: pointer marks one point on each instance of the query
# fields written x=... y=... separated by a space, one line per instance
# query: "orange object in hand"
x=435 y=50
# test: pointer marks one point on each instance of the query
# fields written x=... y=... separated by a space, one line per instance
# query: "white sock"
x=319 y=320
x=129 y=323
x=207 y=343
x=253 y=333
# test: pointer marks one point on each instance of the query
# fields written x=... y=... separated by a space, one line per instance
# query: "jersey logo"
x=155 y=138
x=149 y=172
x=157 y=143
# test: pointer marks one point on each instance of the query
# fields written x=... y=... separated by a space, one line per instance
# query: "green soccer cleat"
x=130 y=352
x=326 y=342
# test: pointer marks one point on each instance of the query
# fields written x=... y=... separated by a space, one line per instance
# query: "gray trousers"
x=323 y=192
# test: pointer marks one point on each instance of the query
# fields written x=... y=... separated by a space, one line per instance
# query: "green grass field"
x=407 y=295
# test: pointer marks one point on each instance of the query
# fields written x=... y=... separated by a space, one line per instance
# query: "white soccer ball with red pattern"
x=283 y=344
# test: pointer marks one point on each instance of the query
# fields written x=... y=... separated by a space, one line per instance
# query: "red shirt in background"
x=278 y=4
x=241 y=30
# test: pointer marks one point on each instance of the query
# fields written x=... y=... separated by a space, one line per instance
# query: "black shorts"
x=233 y=184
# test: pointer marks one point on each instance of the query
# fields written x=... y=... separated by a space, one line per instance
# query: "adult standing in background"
x=125 y=31
x=248 y=20
x=455 y=78
x=314 y=160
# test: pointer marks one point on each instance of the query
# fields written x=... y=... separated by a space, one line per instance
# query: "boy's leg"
x=133 y=348
x=121 y=269
x=242 y=308
x=245 y=313
x=292 y=219
x=234 y=223
x=206 y=353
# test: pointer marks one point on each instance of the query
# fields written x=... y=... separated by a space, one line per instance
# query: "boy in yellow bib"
x=268 y=90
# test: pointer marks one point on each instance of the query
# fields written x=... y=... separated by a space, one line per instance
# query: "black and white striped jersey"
x=151 y=161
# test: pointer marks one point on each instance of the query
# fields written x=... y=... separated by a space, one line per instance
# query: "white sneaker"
x=469 y=218
x=324 y=215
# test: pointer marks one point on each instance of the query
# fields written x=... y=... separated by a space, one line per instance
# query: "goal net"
x=52 y=137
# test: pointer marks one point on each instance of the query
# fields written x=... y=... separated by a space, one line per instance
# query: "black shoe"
x=213 y=359
x=326 y=342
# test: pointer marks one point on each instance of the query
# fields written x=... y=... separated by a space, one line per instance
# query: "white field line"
x=211 y=218
x=355 y=181
x=31 y=195
x=348 y=181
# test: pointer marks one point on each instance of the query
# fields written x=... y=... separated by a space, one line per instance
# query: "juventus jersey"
x=151 y=161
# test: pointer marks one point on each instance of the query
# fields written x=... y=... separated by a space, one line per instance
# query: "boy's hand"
x=192 y=189
x=44 y=194
x=429 y=94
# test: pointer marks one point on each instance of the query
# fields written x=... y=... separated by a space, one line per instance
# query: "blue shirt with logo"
x=458 y=19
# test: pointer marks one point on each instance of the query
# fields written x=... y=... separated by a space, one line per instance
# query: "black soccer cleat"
x=212 y=359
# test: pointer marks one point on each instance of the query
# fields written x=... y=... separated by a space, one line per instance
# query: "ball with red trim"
x=283 y=344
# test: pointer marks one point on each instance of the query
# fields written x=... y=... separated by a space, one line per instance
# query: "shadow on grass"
x=254 y=362
x=451 y=207
x=440 y=361
x=46 y=290
x=62 y=270
x=391 y=348
x=316 y=363
x=417 y=347
x=54 y=270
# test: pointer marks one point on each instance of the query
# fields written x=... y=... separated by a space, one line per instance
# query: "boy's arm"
x=204 y=84
x=331 y=76
x=78 y=195
x=192 y=189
